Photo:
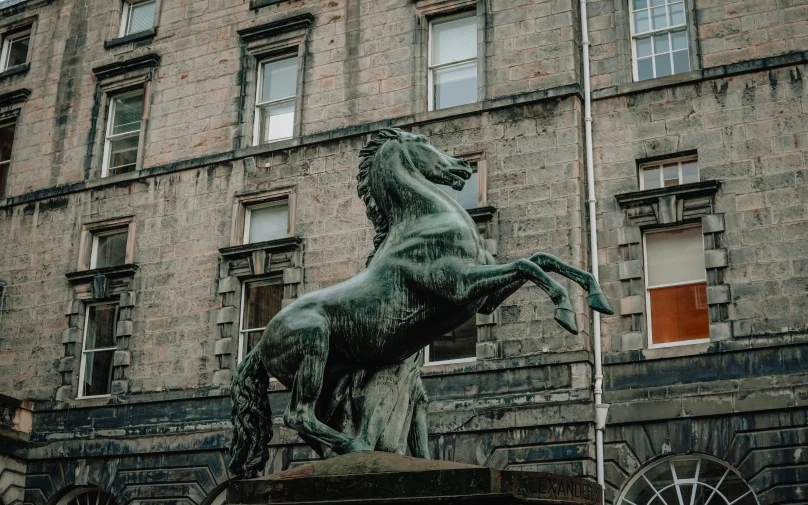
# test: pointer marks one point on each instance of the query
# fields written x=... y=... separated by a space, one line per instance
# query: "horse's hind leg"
x=595 y=298
x=308 y=383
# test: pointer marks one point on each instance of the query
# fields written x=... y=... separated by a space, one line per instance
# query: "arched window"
x=687 y=480
x=87 y=495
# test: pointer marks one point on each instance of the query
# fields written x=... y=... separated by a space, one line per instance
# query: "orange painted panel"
x=679 y=313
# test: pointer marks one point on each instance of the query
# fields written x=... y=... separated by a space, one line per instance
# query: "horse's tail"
x=252 y=417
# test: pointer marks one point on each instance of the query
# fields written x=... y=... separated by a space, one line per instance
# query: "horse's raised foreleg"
x=595 y=297
x=494 y=300
x=308 y=383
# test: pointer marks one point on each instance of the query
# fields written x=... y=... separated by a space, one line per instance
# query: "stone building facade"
x=137 y=145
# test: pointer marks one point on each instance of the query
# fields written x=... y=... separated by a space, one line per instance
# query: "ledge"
x=110 y=272
x=132 y=37
x=650 y=196
x=482 y=214
x=18 y=6
x=279 y=245
x=289 y=24
x=257 y=4
x=121 y=67
x=15 y=70
x=13 y=97
x=702 y=75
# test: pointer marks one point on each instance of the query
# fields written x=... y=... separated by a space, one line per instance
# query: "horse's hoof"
x=599 y=302
x=566 y=318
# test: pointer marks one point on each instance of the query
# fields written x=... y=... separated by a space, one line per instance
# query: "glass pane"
x=468 y=196
x=690 y=171
x=733 y=487
x=670 y=174
x=679 y=313
x=668 y=497
x=279 y=80
x=641 y=21
x=645 y=69
x=6 y=140
x=661 y=44
x=677 y=12
x=681 y=61
x=18 y=51
x=657 y=3
x=111 y=250
x=123 y=155
x=97 y=373
x=456 y=85
x=128 y=113
x=640 y=493
x=660 y=475
x=639 y=4
x=711 y=472
x=277 y=121
x=685 y=468
x=650 y=177
x=101 y=321
x=459 y=344
x=663 y=65
x=675 y=256
x=658 y=18
x=141 y=17
x=253 y=338
x=679 y=40
x=454 y=40
x=644 y=47
x=3 y=177
x=262 y=300
x=268 y=223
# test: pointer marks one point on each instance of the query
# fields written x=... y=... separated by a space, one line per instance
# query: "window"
x=264 y=222
x=687 y=480
x=122 y=140
x=468 y=197
x=260 y=301
x=137 y=17
x=275 y=103
x=15 y=49
x=98 y=350
x=676 y=283
x=659 y=38
x=669 y=173
x=6 y=143
x=109 y=248
x=452 y=62
x=458 y=346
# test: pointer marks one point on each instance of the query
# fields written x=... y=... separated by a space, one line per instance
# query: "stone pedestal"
x=369 y=478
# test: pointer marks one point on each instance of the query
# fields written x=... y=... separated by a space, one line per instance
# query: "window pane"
x=663 y=65
x=658 y=18
x=639 y=4
x=277 y=121
x=268 y=223
x=111 y=250
x=644 y=47
x=685 y=468
x=101 y=321
x=459 y=344
x=681 y=62
x=262 y=300
x=670 y=174
x=657 y=3
x=650 y=178
x=641 y=21
x=97 y=373
x=679 y=40
x=141 y=17
x=18 y=51
x=677 y=13
x=123 y=155
x=690 y=171
x=645 y=69
x=679 y=313
x=454 y=40
x=468 y=197
x=128 y=113
x=456 y=85
x=661 y=44
x=6 y=140
x=252 y=339
x=3 y=179
x=675 y=256
x=279 y=80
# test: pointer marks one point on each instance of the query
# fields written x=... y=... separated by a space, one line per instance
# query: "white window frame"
x=96 y=235
x=649 y=325
x=7 y=164
x=680 y=160
x=470 y=359
x=652 y=32
x=242 y=332
x=260 y=105
x=84 y=351
x=108 y=137
x=432 y=68
x=7 y=40
x=273 y=203
x=127 y=15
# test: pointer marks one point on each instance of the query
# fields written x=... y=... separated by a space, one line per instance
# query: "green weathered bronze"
x=350 y=353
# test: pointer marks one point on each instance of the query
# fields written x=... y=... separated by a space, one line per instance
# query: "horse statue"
x=429 y=272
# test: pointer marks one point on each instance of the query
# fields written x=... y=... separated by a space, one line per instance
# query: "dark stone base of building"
x=368 y=478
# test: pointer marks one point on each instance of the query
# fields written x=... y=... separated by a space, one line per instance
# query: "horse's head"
x=431 y=163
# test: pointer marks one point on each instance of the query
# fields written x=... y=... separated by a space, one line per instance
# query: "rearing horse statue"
x=429 y=272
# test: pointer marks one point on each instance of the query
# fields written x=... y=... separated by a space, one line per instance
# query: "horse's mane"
x=372 y=209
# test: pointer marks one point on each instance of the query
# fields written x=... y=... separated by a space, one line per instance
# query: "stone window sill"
x=132 y=37
x=276 y=246
x=109 y=272
x=15 y=70
x=482 y=214
x=257 y=4
x=649 y=196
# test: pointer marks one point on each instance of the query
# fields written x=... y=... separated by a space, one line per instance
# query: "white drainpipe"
x=601 y=409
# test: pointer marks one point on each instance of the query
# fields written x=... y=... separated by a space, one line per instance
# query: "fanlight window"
x=688 y=480
x=87 y=496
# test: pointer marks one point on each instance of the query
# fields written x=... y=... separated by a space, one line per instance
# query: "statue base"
x=370 y=478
